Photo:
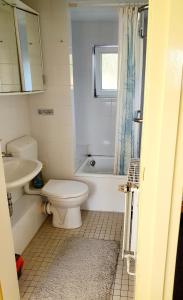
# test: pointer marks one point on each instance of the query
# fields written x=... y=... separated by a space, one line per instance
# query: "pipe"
x=46 y=208
x=29 y=191
x=10 y=204
x=128 y=258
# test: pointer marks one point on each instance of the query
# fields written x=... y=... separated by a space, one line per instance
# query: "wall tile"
x=54 y=133
x=95 y=118
x=14 y=118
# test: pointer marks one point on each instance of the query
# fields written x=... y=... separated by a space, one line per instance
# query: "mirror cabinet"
x=21 y=68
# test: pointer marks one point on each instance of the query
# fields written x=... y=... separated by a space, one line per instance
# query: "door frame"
x=160 y=180
x=176 y=204
x=8 y=277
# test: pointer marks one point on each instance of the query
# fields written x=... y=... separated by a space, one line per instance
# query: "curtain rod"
x=141 y=6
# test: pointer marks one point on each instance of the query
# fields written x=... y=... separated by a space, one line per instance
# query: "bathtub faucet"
x=92 y=162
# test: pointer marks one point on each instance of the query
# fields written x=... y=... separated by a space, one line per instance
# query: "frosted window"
x=105 y=71
x=109 y=71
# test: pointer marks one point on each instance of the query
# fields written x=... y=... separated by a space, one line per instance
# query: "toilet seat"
x=64 y=189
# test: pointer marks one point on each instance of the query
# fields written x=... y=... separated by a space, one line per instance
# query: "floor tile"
x=43 y=248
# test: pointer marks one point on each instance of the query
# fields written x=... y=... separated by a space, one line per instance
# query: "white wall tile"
x=55 y=134
x=57 y=75
x=14 y=118
x=95 y=118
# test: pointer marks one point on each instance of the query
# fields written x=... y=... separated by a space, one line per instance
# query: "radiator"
x=131 y=190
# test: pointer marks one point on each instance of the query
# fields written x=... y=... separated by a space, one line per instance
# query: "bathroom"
x=66 y=125
x=76 y=131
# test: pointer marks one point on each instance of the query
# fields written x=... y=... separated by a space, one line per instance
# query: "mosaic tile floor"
x=43 y=248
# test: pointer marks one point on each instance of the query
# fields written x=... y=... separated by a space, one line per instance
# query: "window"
x=105 y=64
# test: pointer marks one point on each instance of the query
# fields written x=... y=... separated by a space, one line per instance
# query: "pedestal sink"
x=19 y=171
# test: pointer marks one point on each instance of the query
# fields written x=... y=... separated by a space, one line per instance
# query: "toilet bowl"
x=64 y=200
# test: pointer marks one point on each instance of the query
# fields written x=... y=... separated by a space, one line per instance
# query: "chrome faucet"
x=5 y=154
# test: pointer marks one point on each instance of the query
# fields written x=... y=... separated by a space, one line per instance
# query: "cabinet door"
x=30 y=51
x=9 y=65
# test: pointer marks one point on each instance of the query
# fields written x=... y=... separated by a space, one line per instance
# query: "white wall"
x=95 y=117
x=55 y=134
x=14 y=118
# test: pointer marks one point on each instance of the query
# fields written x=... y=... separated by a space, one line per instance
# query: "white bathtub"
x=103 y=185
x=103 y=165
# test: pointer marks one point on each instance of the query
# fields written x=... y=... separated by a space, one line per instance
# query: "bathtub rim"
x=79 y=173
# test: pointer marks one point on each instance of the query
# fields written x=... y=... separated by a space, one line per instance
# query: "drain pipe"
x=29 y=191
x=45 y=206
x=10 y=204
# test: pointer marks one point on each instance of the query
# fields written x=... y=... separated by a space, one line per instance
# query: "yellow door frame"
x=160 y=183
x=175 y=209
x=8 y=278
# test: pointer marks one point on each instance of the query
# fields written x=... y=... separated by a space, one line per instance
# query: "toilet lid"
x=64 y=188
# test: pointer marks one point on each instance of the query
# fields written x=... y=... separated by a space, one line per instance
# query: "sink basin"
x=18 y=171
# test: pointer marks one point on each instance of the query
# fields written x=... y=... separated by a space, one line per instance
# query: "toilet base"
x=67 y=218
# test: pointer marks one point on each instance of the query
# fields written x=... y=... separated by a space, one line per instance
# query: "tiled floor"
x=43 y=248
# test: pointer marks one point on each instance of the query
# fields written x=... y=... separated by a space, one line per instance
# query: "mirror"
x=30 y=51
x=9 y=64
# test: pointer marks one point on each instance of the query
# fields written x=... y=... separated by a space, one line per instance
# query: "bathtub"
x=103 y=185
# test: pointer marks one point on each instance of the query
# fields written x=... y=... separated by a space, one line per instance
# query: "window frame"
x=98 y=50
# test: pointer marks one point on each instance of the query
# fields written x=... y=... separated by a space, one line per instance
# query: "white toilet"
x=64 y=196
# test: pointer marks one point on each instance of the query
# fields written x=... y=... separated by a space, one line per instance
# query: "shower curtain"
x=129 y=89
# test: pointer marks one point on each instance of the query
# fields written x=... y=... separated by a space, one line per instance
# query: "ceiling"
x=94 y=14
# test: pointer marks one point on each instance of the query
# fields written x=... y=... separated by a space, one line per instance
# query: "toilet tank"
x=24 y=147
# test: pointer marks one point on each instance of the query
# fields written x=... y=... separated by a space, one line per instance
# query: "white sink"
x=18 y=171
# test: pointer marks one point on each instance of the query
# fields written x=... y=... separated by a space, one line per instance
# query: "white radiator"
x=131 y=189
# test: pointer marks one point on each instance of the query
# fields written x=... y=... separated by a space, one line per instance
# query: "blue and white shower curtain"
x=129 y=89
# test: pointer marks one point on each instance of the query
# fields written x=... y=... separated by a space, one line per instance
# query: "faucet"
x=5 y=154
